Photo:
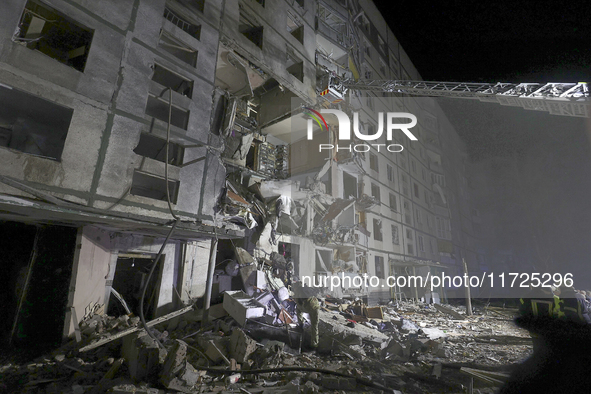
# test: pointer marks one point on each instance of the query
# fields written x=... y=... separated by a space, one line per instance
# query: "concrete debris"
x=241 y=346
x=410 y=347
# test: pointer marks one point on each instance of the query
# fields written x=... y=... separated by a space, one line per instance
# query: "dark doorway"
x=131 y=275
x=38 y=262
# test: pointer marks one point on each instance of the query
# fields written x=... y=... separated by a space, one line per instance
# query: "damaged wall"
x=182 y=272
x=276 y=41
x=92 y=263
x=111 y=99
x=195 y=269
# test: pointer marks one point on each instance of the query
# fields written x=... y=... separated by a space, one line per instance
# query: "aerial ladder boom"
x=557 y=98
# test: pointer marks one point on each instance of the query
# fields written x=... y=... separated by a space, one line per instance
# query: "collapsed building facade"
x=93 y=94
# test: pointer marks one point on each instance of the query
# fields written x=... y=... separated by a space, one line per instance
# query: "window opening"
x=50 y=32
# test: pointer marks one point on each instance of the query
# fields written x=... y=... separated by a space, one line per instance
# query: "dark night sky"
x=517 y=41
x=490 y=41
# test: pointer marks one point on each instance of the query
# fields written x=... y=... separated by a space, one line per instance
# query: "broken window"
x=177 y=49
x=383 y=67
x=377 y=229
x=393 y=205
x=31 y=124
x=155 y=148
x=421 y=243
x=158 y=108
x=408 y=233
x=416 y=189
x=410 y=249
x=375 y=191
x=373 y=162
x=174 y=81
x=364 y=23
x=300 y=3
x=382 y=45
x=390 y=172
x=295 y=66
x=250 y=28
x=50 y=32
x=261 y=2
x=407 y=219
x=295 y=27
x=192 y=29
x=152 y=186
x=380 y=267
x=395 y=239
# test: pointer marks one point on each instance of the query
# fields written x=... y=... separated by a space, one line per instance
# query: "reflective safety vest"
x=558 y=312
x=543 y=307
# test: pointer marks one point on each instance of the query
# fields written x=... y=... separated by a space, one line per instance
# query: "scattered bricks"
x=130 y=388
x=310 y=388
x=241 y=346
x=184 y=380
x=234 y=366
x=338 y=383
x=177 y=373
x=175 y=358
x=142 y=355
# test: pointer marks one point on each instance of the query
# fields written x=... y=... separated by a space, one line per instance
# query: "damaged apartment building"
x=337 y=213
x=129 y=128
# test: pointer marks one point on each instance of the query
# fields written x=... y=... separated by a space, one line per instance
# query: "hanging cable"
x=176 y=222
x=166 y=155
x=156 y=260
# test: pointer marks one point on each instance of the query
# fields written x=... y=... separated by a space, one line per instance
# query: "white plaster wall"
x=195 y=269
x=91 y=267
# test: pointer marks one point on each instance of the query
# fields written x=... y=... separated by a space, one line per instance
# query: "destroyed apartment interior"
x=165 y=194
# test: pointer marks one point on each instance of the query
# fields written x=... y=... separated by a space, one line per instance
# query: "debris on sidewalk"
x=405 y=347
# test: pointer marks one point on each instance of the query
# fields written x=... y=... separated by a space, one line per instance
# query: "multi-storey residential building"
x=85 y=93
x=92 y=94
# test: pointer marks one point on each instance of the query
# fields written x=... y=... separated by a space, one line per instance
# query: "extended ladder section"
x=568 y=99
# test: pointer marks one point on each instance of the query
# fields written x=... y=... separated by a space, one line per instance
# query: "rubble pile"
x=253 y=342
x=412 y=348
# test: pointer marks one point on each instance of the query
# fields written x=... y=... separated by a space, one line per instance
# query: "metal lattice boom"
x=569 y=99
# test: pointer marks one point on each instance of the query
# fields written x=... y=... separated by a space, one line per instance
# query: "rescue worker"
x=307 y=302
x=574 y=306
x=538 y=306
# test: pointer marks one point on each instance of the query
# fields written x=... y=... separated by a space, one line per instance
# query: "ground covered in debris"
x=414 y=348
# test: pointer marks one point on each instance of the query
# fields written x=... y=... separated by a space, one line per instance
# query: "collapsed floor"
x=414 y=348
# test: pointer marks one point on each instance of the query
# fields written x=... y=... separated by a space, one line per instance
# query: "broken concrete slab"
x=433 y=333
x=241 y=346
x=449 y=311
x=177 y=373
x=141 y=353
x=131 y=330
